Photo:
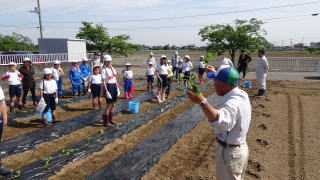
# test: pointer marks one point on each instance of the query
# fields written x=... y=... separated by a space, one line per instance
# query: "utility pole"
x=37 y=10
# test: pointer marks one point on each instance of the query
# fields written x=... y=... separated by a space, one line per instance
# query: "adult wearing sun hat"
x=28 y=81
x=75 y=76
x=231 y=122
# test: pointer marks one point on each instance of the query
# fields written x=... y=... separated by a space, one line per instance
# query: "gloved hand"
x=5 y=77
x=89 y=90
x=56 y=100
x=119 y=93
x=21 y=75
x=108 y=95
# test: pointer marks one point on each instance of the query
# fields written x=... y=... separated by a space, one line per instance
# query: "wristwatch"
x=203 y=102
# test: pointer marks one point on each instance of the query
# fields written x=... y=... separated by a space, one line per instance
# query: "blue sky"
x=15 y=17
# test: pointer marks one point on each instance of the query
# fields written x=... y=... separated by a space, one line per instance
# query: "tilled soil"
x=82 y=168
x=283 y=139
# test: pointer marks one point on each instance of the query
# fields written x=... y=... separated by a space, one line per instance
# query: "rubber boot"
x=106 y=121
x=4 y=171
x=260 y=93
x=126 y=95
x=130 y=94
x=11 y=109
x=111 y=118
x=20 y=107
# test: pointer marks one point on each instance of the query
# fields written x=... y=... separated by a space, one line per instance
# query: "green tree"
x=312 y=49
x=98 y=39
x=16 y=42
x=245 y=34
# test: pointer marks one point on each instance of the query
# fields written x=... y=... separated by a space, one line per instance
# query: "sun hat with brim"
x=84 y=59
x=47 y=71
x=56 y=62
x=150 y=63
x=163 y=57
x=26 y=59
x=12 y=64
x=128 y=64
x=74 y=61
x=226 y=74
x=107 y=58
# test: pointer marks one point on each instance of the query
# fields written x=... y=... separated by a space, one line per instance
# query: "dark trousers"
x=176 y=70
x=169 y=81
x=1 y=128
x=25 y=93
x=243 y=68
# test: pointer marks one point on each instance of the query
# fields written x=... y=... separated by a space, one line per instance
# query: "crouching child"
x=49 y=92
x=95 y=85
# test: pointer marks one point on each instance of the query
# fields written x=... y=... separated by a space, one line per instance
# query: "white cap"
x=187 y=56
x=227 y=61
x=12 y=64
x=74 y=61
x=84 y=59
x=107 y=58
x=128 y=64
x=96 y=66
x=56 y=62
x=47 y=71
x=163 y=56
x=169 y=61
x=202 y=56
x=26 y=59
x=150 y=63
x=176 y=52
x=151 y=53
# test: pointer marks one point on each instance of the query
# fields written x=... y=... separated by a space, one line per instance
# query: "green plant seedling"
x=101 y=131
x=47 y=161
x=68 y=152
x=118 y=125
x=89 y=140
x=21 y=112
x=16 y=174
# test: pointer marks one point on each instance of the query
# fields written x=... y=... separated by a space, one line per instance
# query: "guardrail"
x=42 y=58
x=285 y=63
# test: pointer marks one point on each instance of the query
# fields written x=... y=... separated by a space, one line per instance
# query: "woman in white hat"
x=14 y=80
x=128 y=81
x=110 y=87
x=49 y=92
x=57 y=73
x=28 y=81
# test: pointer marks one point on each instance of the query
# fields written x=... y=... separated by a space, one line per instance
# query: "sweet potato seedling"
x=118 y=125
x=47 y=161
x=192 y=82
x=16 y=174
x=68 y=152
x=89 y=140
x=101 y=131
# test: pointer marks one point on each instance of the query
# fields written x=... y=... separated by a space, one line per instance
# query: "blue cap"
x=226 y=74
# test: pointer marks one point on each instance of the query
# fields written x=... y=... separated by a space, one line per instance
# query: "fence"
x=286 y=63
x=42 y=58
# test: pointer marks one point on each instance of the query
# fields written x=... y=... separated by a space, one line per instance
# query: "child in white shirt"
x=14 y=80
x=202 y=69
x=49 y=92
x=95 y=85
x=127 y=81
x=150 y=76
x=186 y=69
x=57 y=73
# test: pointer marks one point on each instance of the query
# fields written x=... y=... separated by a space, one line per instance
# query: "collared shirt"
x=128 y=74
x=234 y=117
x=150 y=71
x=176 y=61
x=162 y=69
x=85 y=70
x=14 y=78
x=109 y=75
x=186 y=66
x=262 y=66
x=202 y=64
x=56 y=73
x=48 y=86
x=95 y=79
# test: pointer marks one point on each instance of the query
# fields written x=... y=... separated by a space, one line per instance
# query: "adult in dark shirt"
x=244 y=59
x=28 y=82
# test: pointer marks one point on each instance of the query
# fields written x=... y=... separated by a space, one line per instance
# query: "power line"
x=192 y=16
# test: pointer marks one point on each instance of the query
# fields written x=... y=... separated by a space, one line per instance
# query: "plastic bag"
x=108 y=95
x=41 y=105
x=119 y=93
x=56 y=100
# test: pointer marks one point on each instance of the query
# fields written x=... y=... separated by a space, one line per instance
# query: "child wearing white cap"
x=162 y=74
x=95 y=84
x=150 y=73
x=57 y=73
x=49 y=92
x=110 y=87
x=14 y=80
x=186 y=69
x=128 y=84
x=202 y=69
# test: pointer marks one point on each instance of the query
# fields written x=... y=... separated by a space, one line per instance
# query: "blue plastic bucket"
x=133 y=107
x=48 y=115
x=247 y=84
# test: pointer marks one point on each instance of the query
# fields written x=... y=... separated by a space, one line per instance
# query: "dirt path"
x=283 y=139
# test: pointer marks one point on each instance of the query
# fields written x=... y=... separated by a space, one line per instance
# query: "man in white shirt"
x=152 y=60
x=262 y=69
x=176 y=61
x=231 y=122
